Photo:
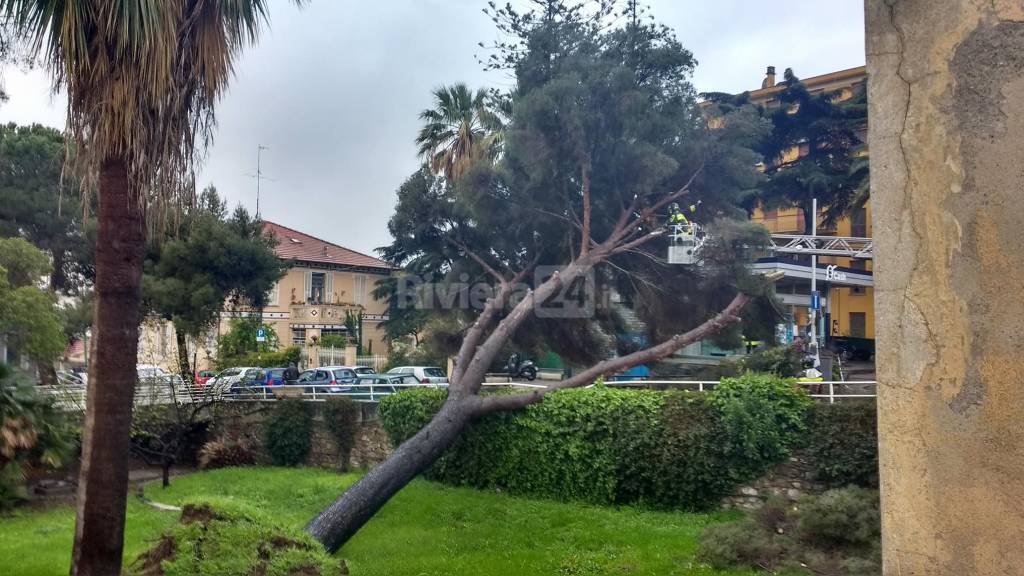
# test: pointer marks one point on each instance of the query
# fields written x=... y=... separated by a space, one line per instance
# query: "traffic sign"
x=261 y=334
x=816 y=300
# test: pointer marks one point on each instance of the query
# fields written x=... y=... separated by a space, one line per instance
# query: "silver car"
x=430 y=375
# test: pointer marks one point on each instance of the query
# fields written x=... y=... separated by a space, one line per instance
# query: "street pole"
x=814 y=283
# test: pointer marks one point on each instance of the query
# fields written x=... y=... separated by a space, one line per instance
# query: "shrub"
x=229 y=540
x=606 y=445
x=289 y=432
x=341 y=416
x=835 y=533
x=762 y=416
x=691 y=467
x=844 y=447
x=32 y=432
x=405 y=413
x=742 y=544
x=845 y=516
x=223 y=453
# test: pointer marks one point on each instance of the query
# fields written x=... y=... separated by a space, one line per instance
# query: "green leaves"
x=289 y=431
x=606 y=445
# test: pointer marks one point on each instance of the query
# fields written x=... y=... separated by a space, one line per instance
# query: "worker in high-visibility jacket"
x=676 y=216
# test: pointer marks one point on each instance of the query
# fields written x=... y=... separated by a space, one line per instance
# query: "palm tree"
x=142 y=78
x=461 y=128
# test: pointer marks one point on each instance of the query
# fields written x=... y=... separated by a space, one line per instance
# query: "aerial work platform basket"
x=686 y=242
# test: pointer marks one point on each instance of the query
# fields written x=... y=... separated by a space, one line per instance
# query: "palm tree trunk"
x=354 y=508
x=103 y=481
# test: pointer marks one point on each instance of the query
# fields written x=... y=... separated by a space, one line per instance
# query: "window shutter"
x=329 y=288
x=359 y=288
x=308 y=287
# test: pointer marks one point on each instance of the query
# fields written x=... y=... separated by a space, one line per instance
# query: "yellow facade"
x=851 y=309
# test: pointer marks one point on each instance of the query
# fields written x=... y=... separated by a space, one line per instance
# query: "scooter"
x=519 y=368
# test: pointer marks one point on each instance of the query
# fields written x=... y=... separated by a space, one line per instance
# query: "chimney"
x=769 y=78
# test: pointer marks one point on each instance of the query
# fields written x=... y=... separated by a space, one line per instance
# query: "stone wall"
x=791 y=480
x=245 y=421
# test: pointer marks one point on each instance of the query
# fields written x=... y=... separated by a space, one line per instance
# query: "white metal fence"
x=375 y=361
x=164 y=391
x=830 y=391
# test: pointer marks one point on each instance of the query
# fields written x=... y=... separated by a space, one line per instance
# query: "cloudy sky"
x=333 y=91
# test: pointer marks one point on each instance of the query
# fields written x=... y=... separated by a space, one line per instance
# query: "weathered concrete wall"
x=946 y=134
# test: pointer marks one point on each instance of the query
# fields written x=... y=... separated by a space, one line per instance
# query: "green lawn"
x=428 y=529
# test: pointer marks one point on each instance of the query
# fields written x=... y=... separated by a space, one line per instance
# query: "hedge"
x=604 y=445
x=844 y=446
x=289 y=432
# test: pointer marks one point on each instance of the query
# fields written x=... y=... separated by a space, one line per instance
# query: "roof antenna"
x=259 y=175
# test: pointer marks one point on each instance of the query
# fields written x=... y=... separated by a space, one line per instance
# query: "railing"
x=167 y=392
x=375 y=361
x=69 y=395
x=318 y=392
x=831 y=390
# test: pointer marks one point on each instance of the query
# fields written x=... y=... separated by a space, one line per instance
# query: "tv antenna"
x=259 y=174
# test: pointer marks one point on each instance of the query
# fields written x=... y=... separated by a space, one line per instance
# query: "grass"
x=427 y=529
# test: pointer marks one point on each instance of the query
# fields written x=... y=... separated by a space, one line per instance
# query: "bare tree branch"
x=475 y=257
x=711 y=326
x=585 y=240
x=495 y=304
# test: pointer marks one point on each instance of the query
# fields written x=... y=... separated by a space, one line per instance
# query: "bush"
x=606 y=445
x=405 y=413
x=844 y=447
x=690 y=465
x=742 y=544
x=32 y=432
x=289 y=432
x=842 y=517
x=226 y=539
x=762 y=416
x=223 y=453
x=341 y=416
x=835 y=533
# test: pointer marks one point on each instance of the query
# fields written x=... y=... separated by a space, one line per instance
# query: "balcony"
x=326 y=314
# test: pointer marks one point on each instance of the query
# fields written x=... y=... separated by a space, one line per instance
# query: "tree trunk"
x=342 y=519
x=47 y=373
x=103 y=481
x=184 y=366
x=165 y=470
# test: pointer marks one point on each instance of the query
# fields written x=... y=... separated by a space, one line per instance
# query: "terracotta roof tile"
x=295 y=245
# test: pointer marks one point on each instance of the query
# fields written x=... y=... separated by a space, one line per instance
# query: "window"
x=317 y=287
x=858 y=325
x=333 y=332
x=859 y=225
x=359 y=287
x=298 y=336
x=274 y=294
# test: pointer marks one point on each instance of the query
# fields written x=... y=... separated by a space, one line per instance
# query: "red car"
x=203 y=375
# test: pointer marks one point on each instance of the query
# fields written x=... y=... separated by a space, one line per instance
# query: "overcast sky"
x=334 y=90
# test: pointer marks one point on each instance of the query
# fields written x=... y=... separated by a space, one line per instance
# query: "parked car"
x=152 y=374
x=272 y=377
x=71 y=379
x=423 y=374
x=204 y=376
x=373 y=386
x=319 y=381
x=229 y=378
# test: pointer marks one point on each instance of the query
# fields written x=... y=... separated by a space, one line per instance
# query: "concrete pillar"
x=350 y=355
x=946 y=138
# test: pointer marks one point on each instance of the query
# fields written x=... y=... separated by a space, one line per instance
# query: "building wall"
x=843 y=301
